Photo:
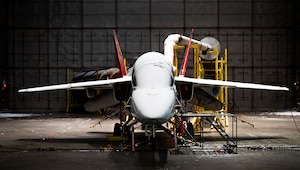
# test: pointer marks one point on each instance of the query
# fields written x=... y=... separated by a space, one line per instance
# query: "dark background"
x=42 y=39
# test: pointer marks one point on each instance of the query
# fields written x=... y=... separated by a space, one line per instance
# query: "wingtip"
x=282 y=88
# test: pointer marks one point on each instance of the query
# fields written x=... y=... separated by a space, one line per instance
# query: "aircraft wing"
x=209 y=82
x=79 y=85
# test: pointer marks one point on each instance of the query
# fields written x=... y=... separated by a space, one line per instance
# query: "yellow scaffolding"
x=208 y=69
x=213 y=69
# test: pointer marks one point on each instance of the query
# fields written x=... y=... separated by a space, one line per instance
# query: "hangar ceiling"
x=40 y=40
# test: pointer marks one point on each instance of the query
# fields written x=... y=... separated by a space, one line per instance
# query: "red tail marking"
x=120 y=55
x=186 y=55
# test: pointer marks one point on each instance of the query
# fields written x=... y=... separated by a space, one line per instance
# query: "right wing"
x=79 y=85
x=209 y=82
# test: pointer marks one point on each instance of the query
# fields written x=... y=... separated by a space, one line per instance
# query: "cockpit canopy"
x=152 y=70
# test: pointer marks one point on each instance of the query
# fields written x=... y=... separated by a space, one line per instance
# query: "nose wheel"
x=153 y=141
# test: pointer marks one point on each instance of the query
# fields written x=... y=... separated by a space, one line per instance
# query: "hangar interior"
x=41 y=40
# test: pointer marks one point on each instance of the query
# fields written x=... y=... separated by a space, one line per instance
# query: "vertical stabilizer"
x=120 y=55
x=186 y=56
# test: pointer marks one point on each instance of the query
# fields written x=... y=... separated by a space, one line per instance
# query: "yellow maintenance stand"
x=208 y=67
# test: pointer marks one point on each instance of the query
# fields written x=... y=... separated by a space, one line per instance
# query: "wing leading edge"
x=79 y=85
x=209 y=82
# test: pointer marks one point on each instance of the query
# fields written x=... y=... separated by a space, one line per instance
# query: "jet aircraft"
x=150 y=87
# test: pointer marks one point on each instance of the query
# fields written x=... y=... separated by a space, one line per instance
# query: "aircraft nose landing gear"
x=150 y=133
x=151 y=137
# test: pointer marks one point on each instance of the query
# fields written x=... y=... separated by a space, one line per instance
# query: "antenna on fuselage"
x=119 y=54
x=186 y=56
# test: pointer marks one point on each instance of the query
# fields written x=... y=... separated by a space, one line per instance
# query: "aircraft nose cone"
x=153 y=104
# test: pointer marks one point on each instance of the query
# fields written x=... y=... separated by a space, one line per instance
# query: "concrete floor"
x=67 y=141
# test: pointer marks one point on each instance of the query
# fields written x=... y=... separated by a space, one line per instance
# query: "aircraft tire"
x=153 y=143
x=117 y=129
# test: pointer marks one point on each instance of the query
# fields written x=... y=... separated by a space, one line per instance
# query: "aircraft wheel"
x=117 y=129
x=153 y=143
x=190 y=128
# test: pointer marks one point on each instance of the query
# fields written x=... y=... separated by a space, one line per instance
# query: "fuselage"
x=153 y=89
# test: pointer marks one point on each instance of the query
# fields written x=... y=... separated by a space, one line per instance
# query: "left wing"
x=209 y=82
x=79 y=85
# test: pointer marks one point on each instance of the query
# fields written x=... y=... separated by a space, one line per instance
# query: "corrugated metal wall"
x=47 y=37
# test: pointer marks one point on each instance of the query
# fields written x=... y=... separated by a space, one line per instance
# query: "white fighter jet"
x=151 y=88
